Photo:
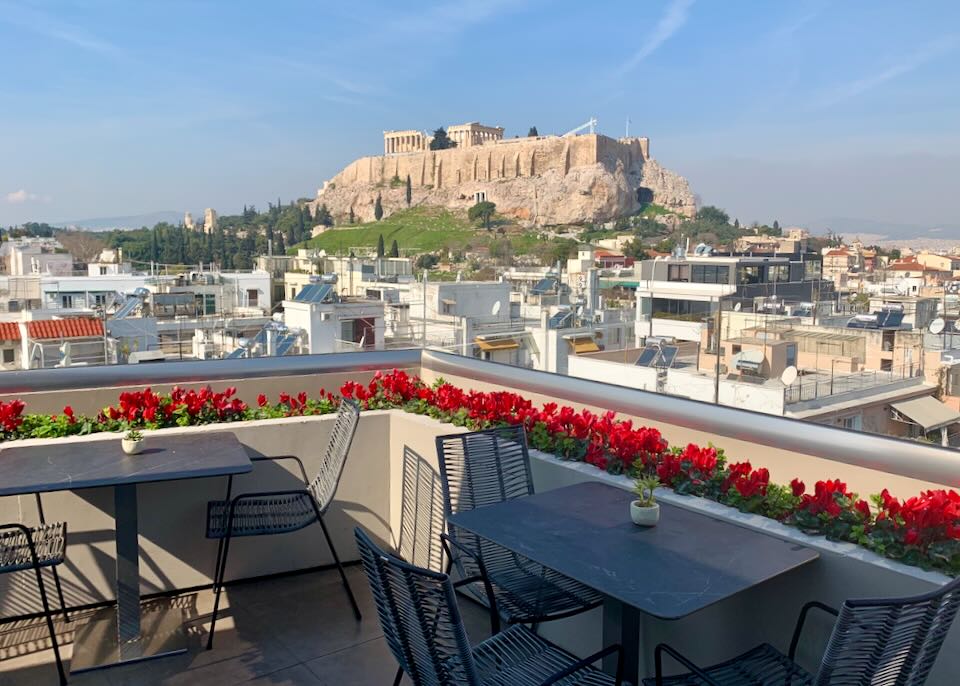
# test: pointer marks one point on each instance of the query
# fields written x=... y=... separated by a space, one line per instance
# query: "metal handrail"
x=200 y=371
x=901 y=457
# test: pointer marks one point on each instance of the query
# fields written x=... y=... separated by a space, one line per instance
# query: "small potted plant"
x=132 y=442
x=645 y=510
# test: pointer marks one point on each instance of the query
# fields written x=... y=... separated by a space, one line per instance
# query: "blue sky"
x=797 y=111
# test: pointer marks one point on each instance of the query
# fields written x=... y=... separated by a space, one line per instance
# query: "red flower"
x=262 y=400
x=798 y=487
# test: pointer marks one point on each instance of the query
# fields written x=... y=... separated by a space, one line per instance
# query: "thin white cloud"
x=48 y=25
x=673 y=19
x=904 y=64
x=22 y=196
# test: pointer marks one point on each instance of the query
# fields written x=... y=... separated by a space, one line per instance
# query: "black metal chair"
x=23 y=548
x=487 y=467
x=876 y=641
x=278 y=512
x=422 y=626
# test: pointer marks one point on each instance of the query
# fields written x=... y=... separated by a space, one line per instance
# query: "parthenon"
x=464 y=135
x=474 y=133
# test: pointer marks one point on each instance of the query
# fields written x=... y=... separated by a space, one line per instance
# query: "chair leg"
x=397 y=679
x=343 y=576
x=49 y=617
x=56 y=582
x=219 y=574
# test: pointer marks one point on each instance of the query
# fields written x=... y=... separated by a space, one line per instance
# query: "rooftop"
x=298 y=628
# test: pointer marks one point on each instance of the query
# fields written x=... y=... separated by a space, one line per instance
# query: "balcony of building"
x=286 y=620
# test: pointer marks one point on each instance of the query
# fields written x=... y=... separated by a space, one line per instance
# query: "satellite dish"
x=936 y=326
x=789 y=375
x=737 y=307
x=496 y=309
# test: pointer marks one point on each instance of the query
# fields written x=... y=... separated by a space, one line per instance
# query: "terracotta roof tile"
x=64 y=328
x=9 y=331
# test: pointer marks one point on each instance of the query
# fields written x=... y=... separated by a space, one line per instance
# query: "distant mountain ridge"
x=134 y=221
x=850 y=227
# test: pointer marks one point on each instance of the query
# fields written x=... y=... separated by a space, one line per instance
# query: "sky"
x=804 y=112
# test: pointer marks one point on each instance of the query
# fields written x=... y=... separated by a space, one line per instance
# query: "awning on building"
x=497 y=344
x=448 y=301
x=583 y=344
x=928 y=412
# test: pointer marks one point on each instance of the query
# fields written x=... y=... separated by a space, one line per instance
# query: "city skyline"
x=800 y=114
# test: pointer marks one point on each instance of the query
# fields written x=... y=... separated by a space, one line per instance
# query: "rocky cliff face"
x=541 y=181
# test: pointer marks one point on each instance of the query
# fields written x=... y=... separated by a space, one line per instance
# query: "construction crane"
x=591 y=124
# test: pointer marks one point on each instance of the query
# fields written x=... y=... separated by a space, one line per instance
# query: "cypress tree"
x=395 y=248
x=380 y=246
x=409 y=191
x=378 y=209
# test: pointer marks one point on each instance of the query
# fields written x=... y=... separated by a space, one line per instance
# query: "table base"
x=96 y=644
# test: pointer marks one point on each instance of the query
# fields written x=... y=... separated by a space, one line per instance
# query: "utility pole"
x=716 y=380
x=423 y=341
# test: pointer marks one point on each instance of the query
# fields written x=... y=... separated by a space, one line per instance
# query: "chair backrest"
x=419 y=617
x=889 y=640
x=324 y=485
x=421 y=513
x=484 y=467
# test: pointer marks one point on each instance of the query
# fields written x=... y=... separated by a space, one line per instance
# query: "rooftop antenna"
x=626 y=132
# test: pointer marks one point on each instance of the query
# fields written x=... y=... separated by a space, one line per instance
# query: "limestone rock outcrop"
x=540 y=181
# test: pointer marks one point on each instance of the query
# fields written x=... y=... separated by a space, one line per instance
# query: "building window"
x=854 y=422
x=8 y=355
x=748 y=275
x=103 y=271
x=66 y=301
x=791 y=354
x=812 y=269
x=710 y=273
x=886 y=365
x=293 y=292
x=99 y=299
x=252 y=297
x=778 y=273
x=206 y=303
x=678 y=272
x=734 y=349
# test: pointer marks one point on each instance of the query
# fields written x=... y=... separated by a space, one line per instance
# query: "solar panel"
x=668 y=354
x=314 y=293
x=544 y=286
x=236 y=354
x=559 y=320
x=286 y=343
x=647 y=356
x=890 y=319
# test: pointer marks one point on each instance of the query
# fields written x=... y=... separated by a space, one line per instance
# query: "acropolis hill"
x=541 y=180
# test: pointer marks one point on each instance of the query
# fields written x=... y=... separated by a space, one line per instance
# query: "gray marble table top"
x=685 y=563
x=69 y=465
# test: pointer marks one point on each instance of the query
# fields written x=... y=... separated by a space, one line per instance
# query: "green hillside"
x=417 y=230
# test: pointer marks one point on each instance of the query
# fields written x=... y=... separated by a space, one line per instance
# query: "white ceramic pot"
x=644 y=516
x=131 y=447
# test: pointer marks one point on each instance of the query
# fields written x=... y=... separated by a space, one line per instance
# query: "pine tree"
x=776 y=225
x=409 y=191
x=532 y=133
x=736 y=223
x=394 y=249
x=378 y=209
x=380 y=247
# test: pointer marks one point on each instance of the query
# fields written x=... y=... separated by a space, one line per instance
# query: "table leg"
x=121 y=635
x=621 y=624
